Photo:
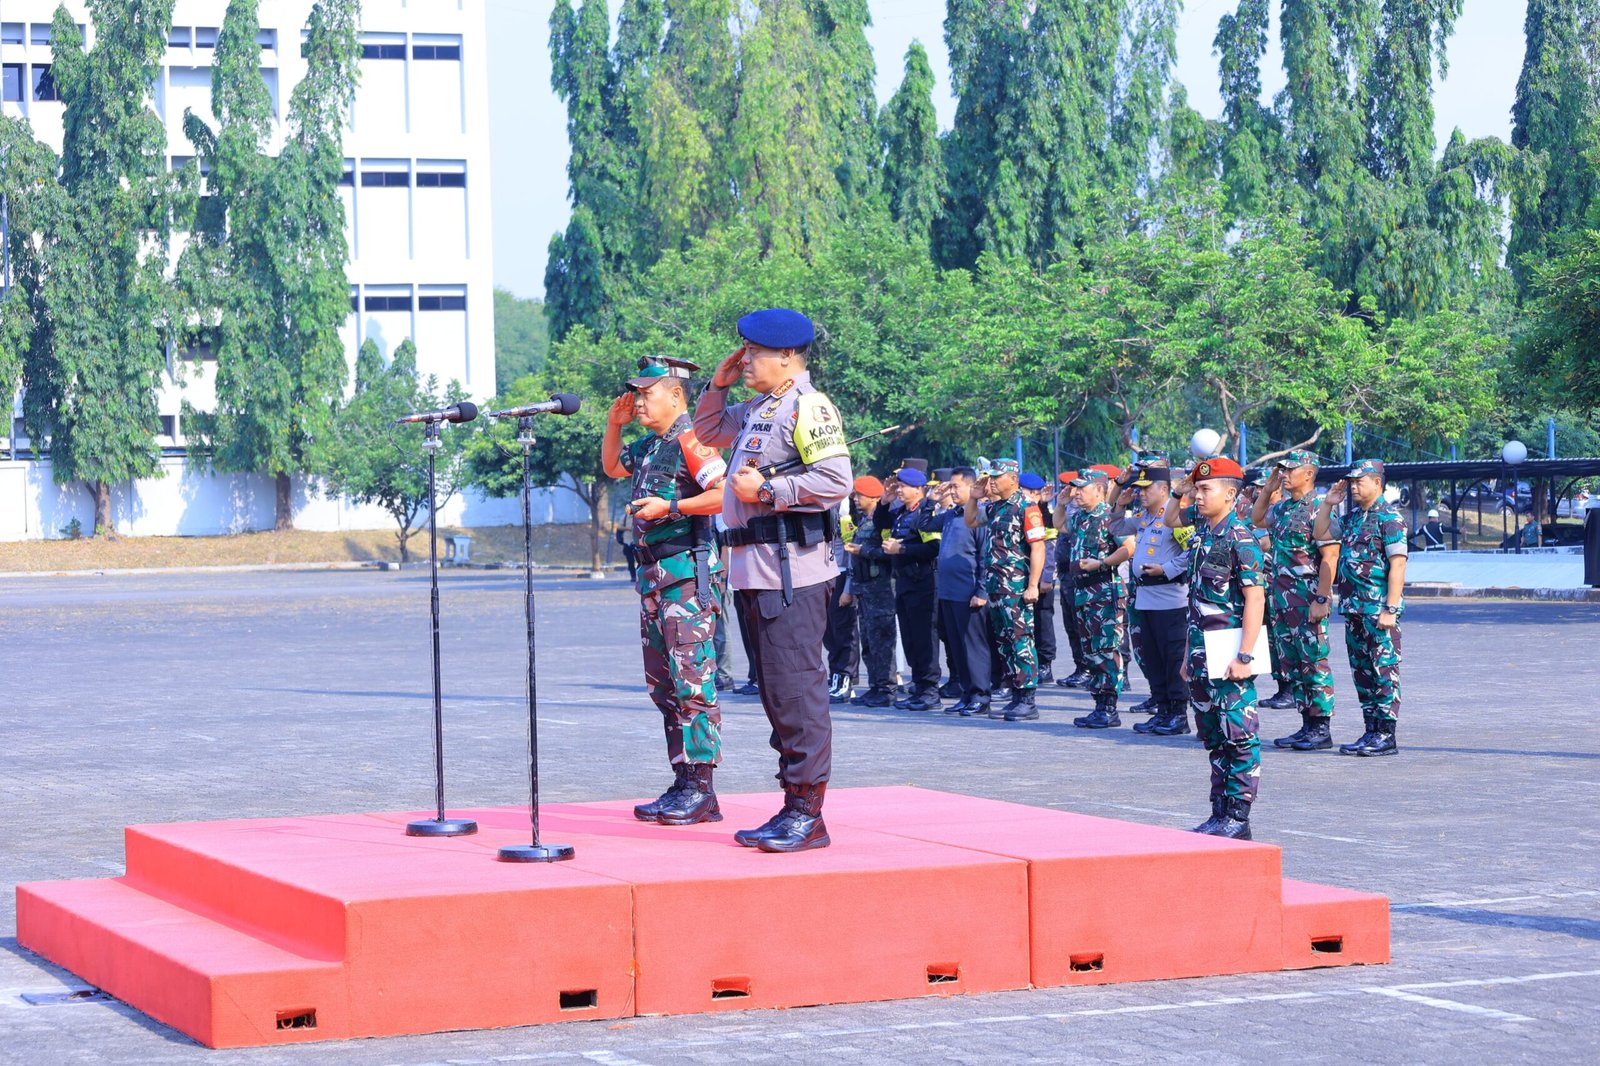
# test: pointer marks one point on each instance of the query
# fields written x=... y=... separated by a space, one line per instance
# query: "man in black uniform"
x=780 y=558
x=916 y=599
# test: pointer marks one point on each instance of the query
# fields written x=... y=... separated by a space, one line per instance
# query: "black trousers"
x=1044 y=627
x=744 y=638
x=1069 y=622
x=787 y=654
x=915 y=601
x=970 y=666
x=1164 y=645
x=844 y=651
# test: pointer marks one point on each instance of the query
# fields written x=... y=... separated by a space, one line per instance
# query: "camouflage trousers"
x=1100 y=618
x=1300 y=651
x=875 y=608
x=1011 y=626
x=1225 y=718
x=1375 y=662
x=677 y=632
x=1275 y=630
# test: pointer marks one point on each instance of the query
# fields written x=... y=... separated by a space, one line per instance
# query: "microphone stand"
x=534 y=852
x=438 y=826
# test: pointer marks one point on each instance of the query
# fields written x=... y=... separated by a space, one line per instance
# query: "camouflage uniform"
x=1100 y=599
x=869 y=583
x=1299 y=645
x=1014 y=525
x=1370 y=539
x=678 y=610
x=1223 y=562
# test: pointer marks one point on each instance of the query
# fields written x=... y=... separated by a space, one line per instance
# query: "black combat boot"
x=1175 y=723
x=924 y=701
x=1149 y=705
x=1104 y=715
x=876 y=697
x=799 y=827
x=977 y=706
x=1235 y=822
x=950 y=690
x=1366 y=738
x=1280 y=700
x=1298 y=735
x=1021 y=708
x=1046 y=675
x=1219 y=808
x=1077 y=679
x=650 y=812
x=1383 y=742
x=696 y=802
x=1316 y=736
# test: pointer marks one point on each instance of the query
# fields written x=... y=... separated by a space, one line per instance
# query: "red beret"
x=868 y=485
x=1207 y=469
x=1110 y=471
x=1068 y=477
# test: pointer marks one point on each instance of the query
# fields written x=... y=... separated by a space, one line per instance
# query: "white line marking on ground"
x=1450 y=1005
x=1503 y=899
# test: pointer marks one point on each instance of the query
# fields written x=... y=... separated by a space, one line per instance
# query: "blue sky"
x=528 y=151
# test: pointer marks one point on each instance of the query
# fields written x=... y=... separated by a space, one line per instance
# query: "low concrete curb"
x=1446 y=592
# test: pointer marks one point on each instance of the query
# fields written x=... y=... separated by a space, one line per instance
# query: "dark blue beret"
x=777 y=327
x=1030 y=480
x=911 y=476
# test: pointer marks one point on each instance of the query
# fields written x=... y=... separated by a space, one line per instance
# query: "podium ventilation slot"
x=304 y=1018
x=1327 y=945
x=943 y=973
x=583 y=999
x=730 y=988
x=1088 y=963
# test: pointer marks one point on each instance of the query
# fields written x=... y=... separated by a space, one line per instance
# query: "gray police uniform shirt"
x=1155 y=545
x=761 y=432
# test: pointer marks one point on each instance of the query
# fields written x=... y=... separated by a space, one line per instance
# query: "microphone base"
x=536 y=853
x=441 y=827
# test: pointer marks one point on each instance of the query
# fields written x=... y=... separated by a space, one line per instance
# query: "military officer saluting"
x=780 y=526
x=1372 y=578
x=677 y=483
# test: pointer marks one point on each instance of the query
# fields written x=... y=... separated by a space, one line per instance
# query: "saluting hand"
x=1335 y=493
x=621 y=412
x=730 y=371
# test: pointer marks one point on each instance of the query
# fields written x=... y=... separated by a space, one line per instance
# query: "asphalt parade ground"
x=174 y=697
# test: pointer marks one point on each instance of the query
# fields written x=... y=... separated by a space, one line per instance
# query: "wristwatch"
x=1393 y=608
x=1246 y=658
x=764 y=493
x=1320 y=599
x=672 y=508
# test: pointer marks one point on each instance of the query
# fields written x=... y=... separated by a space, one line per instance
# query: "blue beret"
x=910 y=475
x=777 y=327
x=1030 y=480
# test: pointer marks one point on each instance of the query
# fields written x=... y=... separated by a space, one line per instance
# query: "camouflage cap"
x=1298 y=458
x=1003 y=466
x=1365 y=467
x=1092 y=476
x=1256 y=476
x=1154 y=460
x=652 y=368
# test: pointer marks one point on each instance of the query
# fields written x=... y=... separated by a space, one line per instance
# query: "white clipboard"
x=1222 y=647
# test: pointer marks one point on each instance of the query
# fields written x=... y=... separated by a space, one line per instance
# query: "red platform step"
x=280 y=930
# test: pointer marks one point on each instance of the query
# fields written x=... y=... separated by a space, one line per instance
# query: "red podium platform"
x=284 y=930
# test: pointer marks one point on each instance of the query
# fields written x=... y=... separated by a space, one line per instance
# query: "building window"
x=198 y=353
x=355 y=301
x=388 y=179
x=441 y=179
x=348 y=177
x=268 y=40
x=169 y=426
x=205 y=36
x=442 y=301
x=388 y=303
x=436 y=51
x=383 y=50
x=11 y=82
x=44 y=86
x=178 y=37
x=11 y=33
x=41 y=33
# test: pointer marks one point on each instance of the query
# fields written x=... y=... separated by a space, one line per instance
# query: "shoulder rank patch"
x=818 y=432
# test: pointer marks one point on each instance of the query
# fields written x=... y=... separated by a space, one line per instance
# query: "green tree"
x=266 y=268
x=913 y=168
x=1560 y=348
x=96 y=357
x=521 y=338
x=374 y=461
x=1554 y=116
x=29 y=200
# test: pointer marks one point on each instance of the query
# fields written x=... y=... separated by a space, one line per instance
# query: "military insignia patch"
x=1203 y=470
x=754 y=444
x=781 y=389
x=818 y=434
x=768 y=412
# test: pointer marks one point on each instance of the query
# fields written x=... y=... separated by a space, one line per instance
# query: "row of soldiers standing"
x=1144 y=565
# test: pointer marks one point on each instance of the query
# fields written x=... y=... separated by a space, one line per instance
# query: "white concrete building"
x=416 y=194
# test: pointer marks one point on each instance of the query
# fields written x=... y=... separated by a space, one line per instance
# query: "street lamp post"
x=1513 y=455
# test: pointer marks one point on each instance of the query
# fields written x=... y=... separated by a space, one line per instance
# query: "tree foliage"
x=521 y=338
x=371 y=460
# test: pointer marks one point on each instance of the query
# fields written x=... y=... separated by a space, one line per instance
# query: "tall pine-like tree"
x=1554 y=116
x=913 y=165
x=96 y=358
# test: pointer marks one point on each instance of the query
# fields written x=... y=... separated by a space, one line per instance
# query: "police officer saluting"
x=780 y=563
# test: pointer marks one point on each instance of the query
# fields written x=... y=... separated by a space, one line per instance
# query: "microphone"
x=461 y=412
x=560 y=403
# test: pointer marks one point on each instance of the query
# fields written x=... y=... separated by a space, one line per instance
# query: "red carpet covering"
x=282 y=930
